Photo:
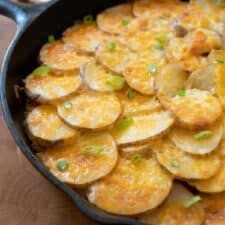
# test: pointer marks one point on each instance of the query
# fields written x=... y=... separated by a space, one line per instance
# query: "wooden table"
x=26 y=198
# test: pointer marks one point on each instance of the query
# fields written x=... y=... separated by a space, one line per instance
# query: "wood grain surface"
x=27 y=198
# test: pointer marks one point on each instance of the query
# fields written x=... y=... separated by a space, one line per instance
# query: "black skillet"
x=34 y=24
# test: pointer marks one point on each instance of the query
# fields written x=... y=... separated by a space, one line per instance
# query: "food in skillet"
x=130 y=108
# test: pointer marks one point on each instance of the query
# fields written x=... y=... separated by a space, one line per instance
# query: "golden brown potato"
x=93 y=156
x=62 y=56
x=174 y=212
x=128 y=189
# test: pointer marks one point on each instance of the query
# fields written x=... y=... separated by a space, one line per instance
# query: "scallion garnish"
x=203 y=135
x=88 y=19
x=93 y=149
x=62 y=165
x=219 y=61
x=131 y=94
x=51 y=38
x=125 y=22
x=159 y=47
x=192 y=201
x=112 y=45
x=136 y=159
x=41 y=71
x=152 y=68
x=68 y=105
x=116 y=81
x=125 y=123
x=162 y=39
x=181 y=93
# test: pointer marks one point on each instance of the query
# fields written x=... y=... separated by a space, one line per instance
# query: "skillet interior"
x=20 y=60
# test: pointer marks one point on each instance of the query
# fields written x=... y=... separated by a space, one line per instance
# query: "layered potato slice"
x=193 y=108
x=174 y=211
x=197 y=142
x=155 y=7
x=220 y=82
x=214 y=209
x=84 y=37
x=90 y=158
x=214 y=184
x=100 y=79
x=44 y=125
x=142 y=127
x=170 y=79
x=184 y=165
x=90 y=110
x=52 y=86
x=133 y=187
x=136 y=149
x=62 y=56
x=115 y=20
x=114 y=55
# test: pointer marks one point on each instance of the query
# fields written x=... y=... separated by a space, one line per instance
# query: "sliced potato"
x=184 y=165
x=136 y=149
x=43 y=123
x=220 y=82
x=115 y=20
x=114 y=55
x=52 y=86
x=139 y=77
x=90 y=110
x=143 y=127
x=138 y=104
x=98 y=78
x=84 y=37
x=170 y=79
x=155 y=7
x=131 y=190
x=191 y=141
x=214 y=209
x=203 y=79
x=84 y=161
x=195 y=108
x=214 y=184
x=62 y=56
x=173 y=211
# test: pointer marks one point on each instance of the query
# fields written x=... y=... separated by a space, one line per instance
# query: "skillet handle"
x=22 y=14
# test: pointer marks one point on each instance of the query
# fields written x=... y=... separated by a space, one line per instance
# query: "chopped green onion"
x=181 y=93
x=131 y=94
x=203 y=135
x=162 y=39
x=125 y=123
x=42 y=70
x=125 y=22
x=62 y=165
x=88 y=19
x=136 y=159
x=93 y=149
x=68 y=105
x=51 y=38
x=219 y=61
x=175 y=163
x=159 y=47
x=152 y=68
x=112 y=45
x=190 y=202
x=116 y=81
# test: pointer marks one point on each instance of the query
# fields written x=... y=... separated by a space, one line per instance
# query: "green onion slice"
x=68 y=105
x=62 y=165
x=125 y=22
x=203 y=135
x=131 y=94
x=181 y=93
x=93 y=150
x=112 y=45
x=152 y=68
x=162 y=39
x=41 y=71
x=125 y=123
x=159 y=47
x=219 y=61
x=116 y=81
x=190 y=202
x=51 y=38
x=136 y=159
x=88 y=19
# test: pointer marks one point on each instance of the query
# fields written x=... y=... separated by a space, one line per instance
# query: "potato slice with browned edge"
x=214 y=209
x=184 y=165
x=193 y=108
x=100 y=79
x=214 y=184
x=115 y=20
x=142 y=127
x=44 y=124
x=90 y=110
x=62 y=56
x=84 y=37
x=52 y=86
x=114 y=55
x=170 y=79
x=197 y=142
x=174 y=211
x=158 y=7
x=203 y=79
x=92 y=157
x=136 y=148
x=133 y=187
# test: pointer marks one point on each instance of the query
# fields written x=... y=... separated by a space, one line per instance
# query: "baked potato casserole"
x=130 y=107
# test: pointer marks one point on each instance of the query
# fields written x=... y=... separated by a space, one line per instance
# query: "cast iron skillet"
x=34 y=24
